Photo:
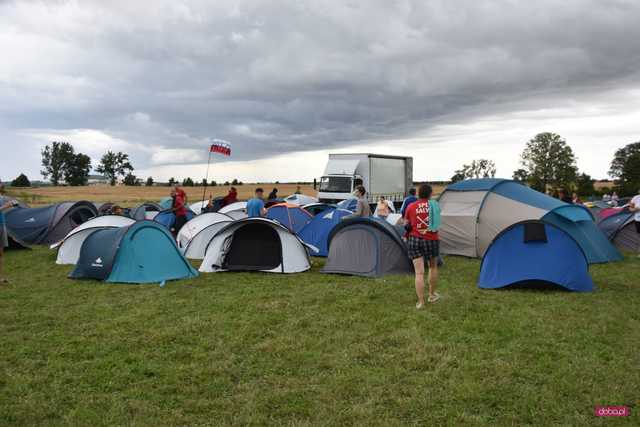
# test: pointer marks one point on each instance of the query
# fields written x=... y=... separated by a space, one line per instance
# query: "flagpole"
x=206 y=180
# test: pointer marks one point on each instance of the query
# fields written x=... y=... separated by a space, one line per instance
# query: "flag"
x=221 y=147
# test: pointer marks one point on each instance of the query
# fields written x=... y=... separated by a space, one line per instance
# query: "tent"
x=255 y=244
x=233 y=207
x=316 y=232
x=367 y=247
x=291 y=216
x=69 y=247
x=349 y=204
x=475 y=211
x=198 y=207
x=237 y=215
x=168 y=218
x=166 y=202
x=535 y=253
x=196 y=234
x=147 y=210
x=316 y=208
x=300 y=199
x=620 y=229
x=143 y=252
x=607 y=212
x=104 y=208
x=49 y=224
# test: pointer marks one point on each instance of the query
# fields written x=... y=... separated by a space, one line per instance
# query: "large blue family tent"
x=143 y=252
x=291 y=216
x=620 y=229
x=316 y=233
x=534 y=253
x=49 y=224
x=475 y=211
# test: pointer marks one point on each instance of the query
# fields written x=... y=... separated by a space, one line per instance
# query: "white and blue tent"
x=316 y=233
x=475 y=211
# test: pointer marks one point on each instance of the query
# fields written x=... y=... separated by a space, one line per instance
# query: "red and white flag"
x=221 y=147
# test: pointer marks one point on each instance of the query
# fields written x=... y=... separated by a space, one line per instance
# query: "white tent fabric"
x=394 y=218
x=69 y=247
x=294 y=256
x=197 y=207
x=300 y=199
x=196 y=234
x=459 y=211
x=235 y=215
x=237 y=206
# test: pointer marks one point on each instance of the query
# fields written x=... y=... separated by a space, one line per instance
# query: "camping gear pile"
x=522 y=236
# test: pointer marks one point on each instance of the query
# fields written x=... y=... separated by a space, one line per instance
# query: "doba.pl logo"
x=612 y=411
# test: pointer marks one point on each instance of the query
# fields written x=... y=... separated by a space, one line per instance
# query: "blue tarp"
x=316 y=233
x=510 y=260
x=144 y=252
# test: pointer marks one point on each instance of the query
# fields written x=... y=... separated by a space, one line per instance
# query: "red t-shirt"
x=179 y=203
x=418 y=216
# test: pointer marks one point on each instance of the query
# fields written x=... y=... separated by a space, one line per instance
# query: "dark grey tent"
x=48 y=224
x=367 y=247
x=147 y=210
x=620 y=229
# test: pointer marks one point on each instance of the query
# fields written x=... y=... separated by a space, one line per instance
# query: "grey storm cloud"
x=282 y=76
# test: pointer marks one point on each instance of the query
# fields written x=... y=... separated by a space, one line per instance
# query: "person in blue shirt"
x=4 y=237
x=255 y=206
x=408 y=200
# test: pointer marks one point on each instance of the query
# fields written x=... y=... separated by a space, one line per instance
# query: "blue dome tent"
x=349 y=204
x=535 y=252
x=168 y=218
x=620 y=229
x=291 y=216
x=143 y=252
x=475 y=211
x=316 y=233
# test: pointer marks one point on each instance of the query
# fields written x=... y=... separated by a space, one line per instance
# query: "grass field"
x=313 y=349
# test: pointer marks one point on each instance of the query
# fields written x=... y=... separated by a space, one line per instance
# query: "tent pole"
x=206 y=180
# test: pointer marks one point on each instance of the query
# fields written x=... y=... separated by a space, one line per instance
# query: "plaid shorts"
x=423 y=248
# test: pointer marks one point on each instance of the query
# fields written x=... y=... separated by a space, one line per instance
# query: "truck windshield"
x=335 y=184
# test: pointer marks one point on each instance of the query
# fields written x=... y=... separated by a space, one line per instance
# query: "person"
x=422 y=221
x=298 y=190
x=407 y=201
x=255 y=206
x=606 y=197
x=562 y=195
x=634 y=206
x=383 y=210
x=614 y=199
x=231 y=197
x=362 y=206
x=178 y=207
x=4 y=236
x=575 y=199
x=117 y=210
x=273 y=195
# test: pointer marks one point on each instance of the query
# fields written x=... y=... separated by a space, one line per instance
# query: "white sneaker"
x=419 y=306
x=433 y=298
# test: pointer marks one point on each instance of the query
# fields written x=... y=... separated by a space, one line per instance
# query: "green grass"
x=309 y=349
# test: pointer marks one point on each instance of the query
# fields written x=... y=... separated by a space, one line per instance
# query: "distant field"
x=133 y=196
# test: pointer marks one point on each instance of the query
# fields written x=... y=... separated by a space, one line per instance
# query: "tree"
x=520 y=175
x=55 y=157
x=131 y=180
x=76 y=171
x=585 y=185
x=149 y=182
x=21 y=181
x=235 y=181
x=625 y=168
x=112 y=165
x=172 y=181
x=187 y=182
x=549 y=161
x=482 y=168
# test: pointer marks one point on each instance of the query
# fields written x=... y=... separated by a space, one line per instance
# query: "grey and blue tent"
x=620 y=229
x=368 y=247
x=475 y=211
x=49 y=224
x=143 y=252
x=147 y=210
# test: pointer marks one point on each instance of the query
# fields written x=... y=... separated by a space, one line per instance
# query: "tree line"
x=549 y=164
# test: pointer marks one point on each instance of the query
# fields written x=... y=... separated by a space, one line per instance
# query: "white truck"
x=381 y=175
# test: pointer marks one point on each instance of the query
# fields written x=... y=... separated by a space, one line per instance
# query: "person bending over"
x=362 y=207
x=422 y=223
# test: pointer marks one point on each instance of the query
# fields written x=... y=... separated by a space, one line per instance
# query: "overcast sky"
x=287 y=82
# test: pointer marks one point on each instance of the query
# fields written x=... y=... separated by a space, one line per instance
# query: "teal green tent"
x=143 y=252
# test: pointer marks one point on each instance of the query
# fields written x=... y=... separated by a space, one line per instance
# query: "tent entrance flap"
x=254 y=247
